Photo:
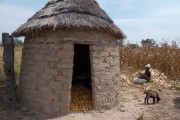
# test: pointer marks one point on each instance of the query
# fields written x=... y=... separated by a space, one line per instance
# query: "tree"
x=18 y=42
x=148 y=42
x=133 y=45
x=120 y=42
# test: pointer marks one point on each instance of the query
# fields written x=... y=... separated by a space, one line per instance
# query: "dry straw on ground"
x=81 y=98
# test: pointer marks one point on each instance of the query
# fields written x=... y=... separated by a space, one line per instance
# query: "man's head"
x=148 y=66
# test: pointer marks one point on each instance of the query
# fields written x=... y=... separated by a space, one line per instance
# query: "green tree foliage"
x=148 y=42
x=133 y=45
x=18 y=42
x=121 y=42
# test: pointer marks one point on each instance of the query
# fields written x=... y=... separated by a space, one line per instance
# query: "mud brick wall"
x=46 y=74
x=47 y=66
x=105 y=75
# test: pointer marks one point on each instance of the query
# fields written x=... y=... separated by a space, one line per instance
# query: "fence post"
x=8 y=58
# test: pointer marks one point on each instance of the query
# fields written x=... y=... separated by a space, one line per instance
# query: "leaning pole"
x=8 y=58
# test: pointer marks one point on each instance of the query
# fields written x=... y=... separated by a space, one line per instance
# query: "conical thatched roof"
x=70 y=14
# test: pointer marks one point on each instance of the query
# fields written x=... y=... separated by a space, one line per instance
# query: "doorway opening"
x=81 y=91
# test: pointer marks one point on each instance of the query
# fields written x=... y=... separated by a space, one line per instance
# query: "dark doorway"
x=82 y=66
x=81 y=93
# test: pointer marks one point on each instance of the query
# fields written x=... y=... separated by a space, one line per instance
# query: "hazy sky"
x=139 y=19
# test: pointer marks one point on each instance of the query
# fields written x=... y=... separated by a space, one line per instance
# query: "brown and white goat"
x=151 y=94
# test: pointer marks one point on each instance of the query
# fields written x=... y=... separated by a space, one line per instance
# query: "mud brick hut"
x=63 y=41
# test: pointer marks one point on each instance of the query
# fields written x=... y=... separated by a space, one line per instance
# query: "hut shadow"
x=43 y=116
x=150 y=102
x=146 y=104
x=177 y=103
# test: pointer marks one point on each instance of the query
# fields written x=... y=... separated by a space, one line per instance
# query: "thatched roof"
x=70 y=14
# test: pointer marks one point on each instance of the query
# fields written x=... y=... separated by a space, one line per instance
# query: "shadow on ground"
x=21 y=112
x=177 y=103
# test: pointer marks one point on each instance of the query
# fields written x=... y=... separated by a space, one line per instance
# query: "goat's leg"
x=158 y=99
x=145 y=99
x=153 y=100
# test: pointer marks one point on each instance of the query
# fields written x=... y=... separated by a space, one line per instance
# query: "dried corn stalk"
x=81 y=98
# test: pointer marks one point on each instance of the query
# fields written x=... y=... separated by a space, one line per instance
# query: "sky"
x=138 y=19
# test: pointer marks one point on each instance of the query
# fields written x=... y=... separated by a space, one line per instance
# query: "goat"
x=151 y=94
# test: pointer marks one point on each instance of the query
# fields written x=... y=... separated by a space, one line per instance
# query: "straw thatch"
x=70 y=14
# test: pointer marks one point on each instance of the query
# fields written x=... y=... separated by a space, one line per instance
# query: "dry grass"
x=18 y=54
x=2 y=76
x=165 y=58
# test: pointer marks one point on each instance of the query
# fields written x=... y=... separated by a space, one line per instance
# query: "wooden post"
x=8 y=58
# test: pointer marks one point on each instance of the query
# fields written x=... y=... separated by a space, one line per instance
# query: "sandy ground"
x=132 y=106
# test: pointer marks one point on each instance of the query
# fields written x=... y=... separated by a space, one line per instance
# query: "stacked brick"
x=105 y=67
x=46 y=75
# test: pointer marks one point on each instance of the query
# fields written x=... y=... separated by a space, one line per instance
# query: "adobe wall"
x=46 y=74
x=47 y=64
x=105 y=75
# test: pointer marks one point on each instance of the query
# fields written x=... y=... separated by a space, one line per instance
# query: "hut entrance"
x=81 y=91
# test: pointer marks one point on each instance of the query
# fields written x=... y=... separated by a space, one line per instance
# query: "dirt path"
x=132 y=106
x=167 y=109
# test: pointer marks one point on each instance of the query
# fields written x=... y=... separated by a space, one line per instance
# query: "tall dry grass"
x=165 y=58
x=2 y=76
x=17 y=62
